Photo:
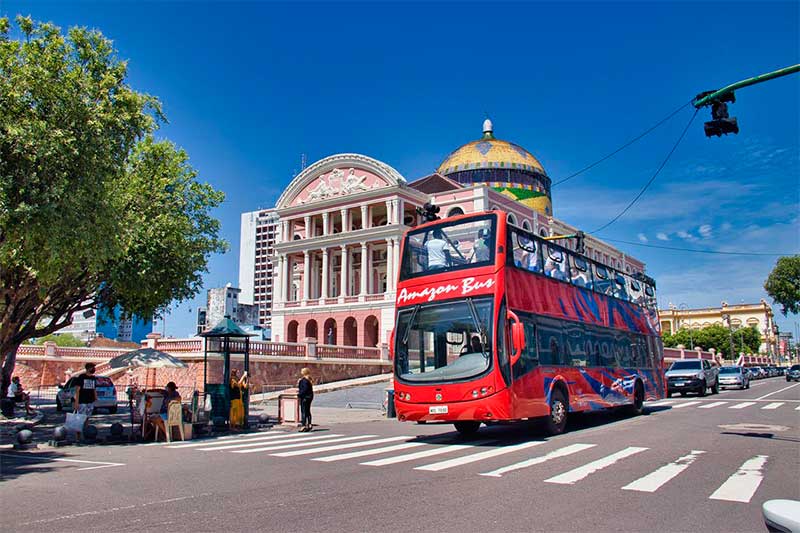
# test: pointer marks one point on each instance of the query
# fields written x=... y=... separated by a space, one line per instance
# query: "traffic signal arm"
x=720 y=94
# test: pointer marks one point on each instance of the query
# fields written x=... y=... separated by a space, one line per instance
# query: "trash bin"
x=390 y=410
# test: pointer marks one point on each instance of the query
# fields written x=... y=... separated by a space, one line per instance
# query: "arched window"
x=512 y=219
x=291 y=334
x=371 y=331
x=350 y=332
x=526 y=225
x=455 y=211
x=311 y=329
x=329 y=332
x=543 y=232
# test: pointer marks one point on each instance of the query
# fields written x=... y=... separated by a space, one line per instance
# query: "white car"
x=734 y=376
x=106 y=395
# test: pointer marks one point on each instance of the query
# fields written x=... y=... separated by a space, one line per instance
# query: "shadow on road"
x=16 y=464
x=770 y=436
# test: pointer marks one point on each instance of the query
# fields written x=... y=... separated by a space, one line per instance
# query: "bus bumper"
x=486 y=409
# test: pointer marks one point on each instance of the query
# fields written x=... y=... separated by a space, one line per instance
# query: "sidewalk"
x=327 y=387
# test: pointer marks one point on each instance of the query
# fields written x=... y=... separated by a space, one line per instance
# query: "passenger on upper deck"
x=481 y=250
x=438 y=257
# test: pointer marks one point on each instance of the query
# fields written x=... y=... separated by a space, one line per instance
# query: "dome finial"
x=488 y=132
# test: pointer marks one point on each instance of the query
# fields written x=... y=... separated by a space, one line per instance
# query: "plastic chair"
x=174 y=418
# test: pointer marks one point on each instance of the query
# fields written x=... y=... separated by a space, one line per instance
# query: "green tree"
x=717 y=337
x=61 y=339
x=93 y=209
x=783 y=284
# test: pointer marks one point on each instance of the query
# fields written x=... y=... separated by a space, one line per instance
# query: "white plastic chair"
x=174 y=418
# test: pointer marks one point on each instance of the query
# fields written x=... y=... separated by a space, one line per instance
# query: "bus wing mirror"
x=517 y=337
x=391 y=345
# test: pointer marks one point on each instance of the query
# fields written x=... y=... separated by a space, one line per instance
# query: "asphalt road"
x=690 y=464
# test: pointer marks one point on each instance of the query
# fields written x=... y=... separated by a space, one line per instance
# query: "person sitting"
x=16 y=393
x=438 y=257
x=475 y=344
x=171 y=394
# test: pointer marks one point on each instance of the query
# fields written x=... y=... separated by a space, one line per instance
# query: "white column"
x=345 y=225
x=400 y=213
x=285 y=281
x=306 y=274
x=389 y=265
x=278 y=279
x=325 y=225
x=307 y=221
x=364 y=268
x=344 y=273
x=396 y=261
x=389 y=219
x=324 y=288
x=364 y=217
x=285 y=231
x=370 y=277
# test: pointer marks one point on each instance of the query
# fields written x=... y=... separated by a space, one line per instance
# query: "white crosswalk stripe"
x=654 y=480
x=742 y=405
x=304 y=443
x=573 y=476
x=372 y=451
x=773 y=405
x=335 y=447
x=797 y=408
x=561 y=452
x=685 y=404
x=712 y=405
x=425 y=453
x=480 y=456
x=220 y=442
x=741 y=486
x=665 y=402
x=260 y=442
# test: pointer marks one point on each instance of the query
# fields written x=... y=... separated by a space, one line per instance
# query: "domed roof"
x=489 y=152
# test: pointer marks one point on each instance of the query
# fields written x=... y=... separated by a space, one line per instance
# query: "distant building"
x=256 y=269
x=225 y=302
x=758 y=315
x=86 y=325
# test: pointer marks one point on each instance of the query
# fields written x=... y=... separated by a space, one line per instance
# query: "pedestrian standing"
x=86 y=392
x=237 y=386
x=306 y=395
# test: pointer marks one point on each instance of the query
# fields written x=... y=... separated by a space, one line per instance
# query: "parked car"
x=734 y=376
x=793 y=374
x=751 y=373
x=760 y=372
x=692 y=375
x=106 y=395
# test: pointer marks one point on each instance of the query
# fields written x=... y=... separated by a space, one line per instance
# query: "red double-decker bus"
x=496 y=324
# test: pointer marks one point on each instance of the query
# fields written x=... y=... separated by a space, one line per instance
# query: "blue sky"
x=248 y=87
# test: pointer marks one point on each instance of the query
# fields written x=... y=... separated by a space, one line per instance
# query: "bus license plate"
x=437 y=410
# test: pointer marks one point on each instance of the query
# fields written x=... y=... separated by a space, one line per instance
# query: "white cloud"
x=705 y=231
x=642 y=237
x=662 y=236
x=725 y=226
x=685 y=235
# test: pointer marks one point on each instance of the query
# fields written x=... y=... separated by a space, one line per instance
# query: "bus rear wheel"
x=467 y=428
x=557 y=421
x=637 y=407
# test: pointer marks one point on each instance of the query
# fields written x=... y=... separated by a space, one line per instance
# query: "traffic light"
x=579 y=247
x=429 y=212
x=722 y=123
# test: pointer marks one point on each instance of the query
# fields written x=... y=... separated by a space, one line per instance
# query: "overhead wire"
x=678 y=249
x=653 y=178
x=621 y=148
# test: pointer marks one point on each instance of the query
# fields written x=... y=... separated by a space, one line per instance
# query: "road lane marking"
x=797 y=408
x=687 y=404
x=214 y=442
x=742 y=405
x=325 y=440
x=334 y=447
x=262 y=442
x=102 y=464
x=741 y=486
x=425 y=453
x=372 y=451
x=773 y=405
x=711 y=405
x=777 y=391
x=656 y=479
x=573 y=476
x=480 y=456
x=663 y=403
x=207 y=440
x=561 y=452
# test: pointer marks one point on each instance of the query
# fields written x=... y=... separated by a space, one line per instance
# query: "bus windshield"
x=444 y=341
x=449 y=246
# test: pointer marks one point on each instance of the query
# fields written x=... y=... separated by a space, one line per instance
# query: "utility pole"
x=726 y=317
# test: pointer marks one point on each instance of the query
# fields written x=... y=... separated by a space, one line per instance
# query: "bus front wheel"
x=467 y=428
x=557 y=421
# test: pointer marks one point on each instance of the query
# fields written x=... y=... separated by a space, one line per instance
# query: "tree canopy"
x=747 y=340
x=61 y=339
x=93 y=208
x=783 y=284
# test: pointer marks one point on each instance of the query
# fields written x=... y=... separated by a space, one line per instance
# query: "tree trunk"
x=10 y=360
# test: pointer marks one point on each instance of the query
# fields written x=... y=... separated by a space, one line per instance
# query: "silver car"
x=734 y=376
x=106 y=395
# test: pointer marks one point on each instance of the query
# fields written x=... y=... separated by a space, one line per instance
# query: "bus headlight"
x=475 y=393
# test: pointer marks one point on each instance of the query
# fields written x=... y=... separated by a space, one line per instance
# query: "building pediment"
x=338 y=176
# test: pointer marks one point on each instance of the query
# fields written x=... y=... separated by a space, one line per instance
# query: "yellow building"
x=759 y=315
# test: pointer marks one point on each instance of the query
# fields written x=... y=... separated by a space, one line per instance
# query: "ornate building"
x=340 y=223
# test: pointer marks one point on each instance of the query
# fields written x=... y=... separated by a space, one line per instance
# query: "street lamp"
x=726 y=317
x=685 y=307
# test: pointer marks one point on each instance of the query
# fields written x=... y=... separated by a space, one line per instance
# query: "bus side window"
x=602 y=283
x=530 y=357
x=555 y=265
x=579 y=272
x=551 y=346
x=575 y=345
x=620 y=291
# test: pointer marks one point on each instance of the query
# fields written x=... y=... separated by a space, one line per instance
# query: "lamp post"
x=685 y=307
x=726 y=317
